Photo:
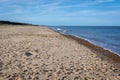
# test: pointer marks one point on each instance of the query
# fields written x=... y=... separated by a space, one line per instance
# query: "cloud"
x=4 y=0
x=101 y=1
x=6 y=13
x=60 y=8
x=56 y=8
x=18 y=11
x=94 y=13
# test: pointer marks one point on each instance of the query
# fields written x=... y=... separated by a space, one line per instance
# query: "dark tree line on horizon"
x=13 y=23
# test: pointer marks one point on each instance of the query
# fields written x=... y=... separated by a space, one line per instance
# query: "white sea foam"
x=104 y=45
x=96 y=44
x=58 y=29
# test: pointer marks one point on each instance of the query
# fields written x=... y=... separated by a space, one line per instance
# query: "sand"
x=39 y=53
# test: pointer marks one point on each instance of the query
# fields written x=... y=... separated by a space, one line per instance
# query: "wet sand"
x=39 y=53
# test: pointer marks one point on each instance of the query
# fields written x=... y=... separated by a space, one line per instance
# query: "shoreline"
x=97 y=45
x=95 y=48
x=37 y=52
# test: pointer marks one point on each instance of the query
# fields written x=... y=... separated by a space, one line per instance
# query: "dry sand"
x=39 y=53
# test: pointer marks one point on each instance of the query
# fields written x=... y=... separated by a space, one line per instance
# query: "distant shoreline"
x=86 y=43
x=20 y=23
x=95 y=48
x=15 y=23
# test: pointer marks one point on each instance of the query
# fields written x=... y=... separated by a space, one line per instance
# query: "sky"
x=62 y=12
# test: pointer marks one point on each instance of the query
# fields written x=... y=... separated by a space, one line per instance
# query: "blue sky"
x=62 y=12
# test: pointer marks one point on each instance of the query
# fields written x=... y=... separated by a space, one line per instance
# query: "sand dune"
x=39 y=53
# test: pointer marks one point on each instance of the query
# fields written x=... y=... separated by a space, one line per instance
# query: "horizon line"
x=60 y=25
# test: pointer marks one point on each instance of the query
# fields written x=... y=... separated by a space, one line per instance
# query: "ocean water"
x=106 y=37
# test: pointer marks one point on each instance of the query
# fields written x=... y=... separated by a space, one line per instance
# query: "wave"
x=97 y=44
x=106 y=45
x=91 y=36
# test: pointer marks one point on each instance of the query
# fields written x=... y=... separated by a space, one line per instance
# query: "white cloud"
x=94 y=13
x=6 y=13
x=56 y=7
x=4 y=0
x=60 y=6
x=18 y=11
x=101 y=1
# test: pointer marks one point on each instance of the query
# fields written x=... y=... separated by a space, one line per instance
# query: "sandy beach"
x=39 y=53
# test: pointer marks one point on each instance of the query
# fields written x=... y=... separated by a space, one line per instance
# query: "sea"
x=107 y=37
